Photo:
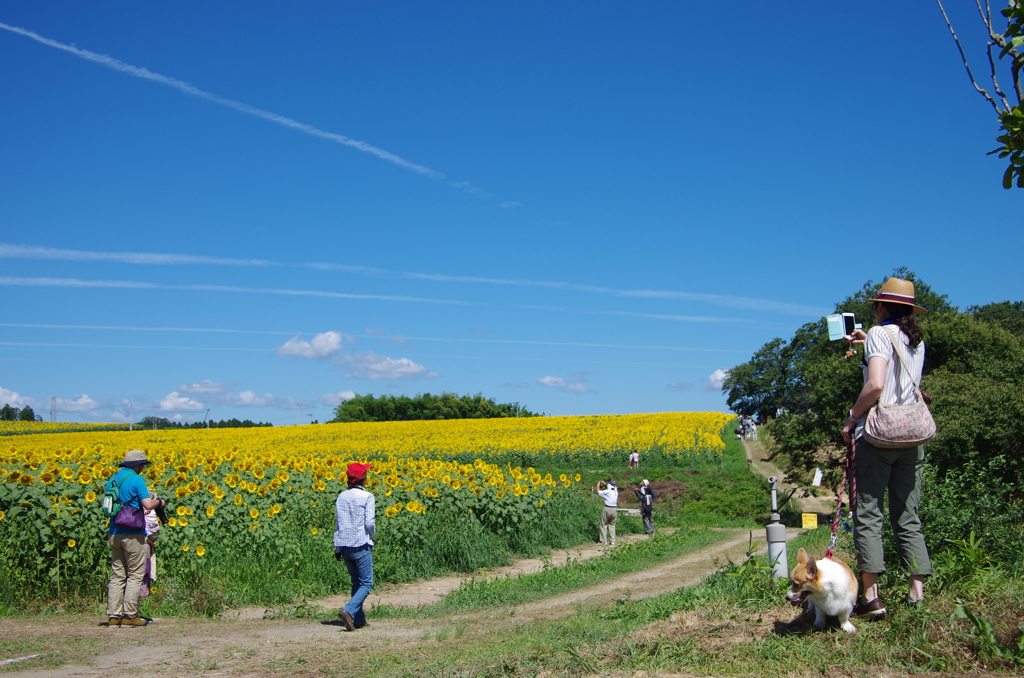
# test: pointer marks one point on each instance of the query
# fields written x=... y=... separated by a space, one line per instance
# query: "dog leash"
x=849 y=470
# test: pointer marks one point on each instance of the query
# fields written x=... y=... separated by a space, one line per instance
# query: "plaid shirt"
x=355 y=527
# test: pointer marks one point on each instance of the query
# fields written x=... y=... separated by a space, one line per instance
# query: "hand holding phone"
x=844 y=326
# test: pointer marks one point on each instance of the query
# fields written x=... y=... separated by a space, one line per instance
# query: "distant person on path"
x=634 y=459
x=752 y=431
x=646 y=498
x=353 y=542
x=897 y=471
x=610 y=494
x=128 y=548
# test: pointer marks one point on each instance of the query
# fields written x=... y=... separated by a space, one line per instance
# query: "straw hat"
x=134 y=458
x=896 y=291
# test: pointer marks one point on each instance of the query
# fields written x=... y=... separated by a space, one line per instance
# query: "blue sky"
x=588 y=208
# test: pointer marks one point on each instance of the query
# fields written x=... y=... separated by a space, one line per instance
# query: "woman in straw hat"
x=878 y=470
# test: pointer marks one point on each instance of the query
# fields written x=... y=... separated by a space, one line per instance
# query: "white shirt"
x=355 y=525
x=610 y=496
x=899 y=382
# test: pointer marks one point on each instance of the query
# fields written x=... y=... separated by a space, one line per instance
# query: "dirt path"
x=238 y=647
x=418 y=594
x=757 y=460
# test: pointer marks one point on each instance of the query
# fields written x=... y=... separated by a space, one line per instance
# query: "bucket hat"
x=897 y=291
x=135 y=458
x=356 y=471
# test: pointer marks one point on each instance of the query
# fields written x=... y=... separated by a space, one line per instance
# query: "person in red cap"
x=353 y=542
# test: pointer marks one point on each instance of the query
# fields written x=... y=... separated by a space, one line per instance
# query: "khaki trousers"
x=897 y=471
x=128 y=562
x=607 y=530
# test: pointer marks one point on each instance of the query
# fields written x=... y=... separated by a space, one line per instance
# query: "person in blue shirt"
x=128 y=547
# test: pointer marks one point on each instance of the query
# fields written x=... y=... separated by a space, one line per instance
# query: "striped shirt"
x=899 y=382
x=355 y=527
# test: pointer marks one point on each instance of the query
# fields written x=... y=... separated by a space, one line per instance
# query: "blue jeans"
x=359 y=561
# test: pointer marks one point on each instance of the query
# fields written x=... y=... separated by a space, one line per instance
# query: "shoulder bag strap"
x=898 y=348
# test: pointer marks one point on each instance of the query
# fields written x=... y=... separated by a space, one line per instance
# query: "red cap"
x=357 y=471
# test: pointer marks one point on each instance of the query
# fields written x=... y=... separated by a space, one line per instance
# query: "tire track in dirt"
x=686 y=570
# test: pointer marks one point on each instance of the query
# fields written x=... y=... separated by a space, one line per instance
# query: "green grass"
x=525 y=588
x=735 y=622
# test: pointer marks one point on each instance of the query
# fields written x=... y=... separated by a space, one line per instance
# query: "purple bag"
x=131 y=518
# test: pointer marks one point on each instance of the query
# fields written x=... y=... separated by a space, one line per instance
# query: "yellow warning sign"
x=810 y=520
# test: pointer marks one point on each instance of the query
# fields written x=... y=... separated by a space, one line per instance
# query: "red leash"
x=849 y=470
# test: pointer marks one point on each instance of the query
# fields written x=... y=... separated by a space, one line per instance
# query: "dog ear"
x=812 y=568
x=801 y=557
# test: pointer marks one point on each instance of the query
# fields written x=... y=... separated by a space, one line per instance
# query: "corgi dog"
x=828 y=586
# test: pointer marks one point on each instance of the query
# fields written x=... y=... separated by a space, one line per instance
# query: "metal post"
x=776 y=536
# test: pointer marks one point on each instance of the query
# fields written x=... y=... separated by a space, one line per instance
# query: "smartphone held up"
x=841 y=325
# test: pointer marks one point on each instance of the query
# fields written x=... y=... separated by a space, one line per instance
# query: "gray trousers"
x=899 y=472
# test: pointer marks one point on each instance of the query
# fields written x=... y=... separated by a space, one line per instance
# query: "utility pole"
x=131 y=415
x=53 y=409
x=206 y=419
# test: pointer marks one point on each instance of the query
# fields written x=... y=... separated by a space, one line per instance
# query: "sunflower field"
x=251 y=511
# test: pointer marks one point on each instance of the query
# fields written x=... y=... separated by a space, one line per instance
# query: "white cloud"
x=175 y=402
x=518 y=384
x=80 y=403
x=335 y=399
x=204 y=387
x=370 y=365
x=715 y=380
x=15 y=399
x=679 y=386
x=247 y=399
x=574 y=384
x=321 y=347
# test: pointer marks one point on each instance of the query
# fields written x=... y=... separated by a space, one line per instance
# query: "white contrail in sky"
x=181 y=85
x=456 y=340
x=133 y=284
x=27 y=252
x=9 y=251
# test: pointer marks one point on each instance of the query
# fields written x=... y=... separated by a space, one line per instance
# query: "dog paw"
x=819 y=624
x=848 y=627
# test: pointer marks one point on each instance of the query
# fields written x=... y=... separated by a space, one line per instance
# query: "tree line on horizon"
x=11 y=413
x=425 y=406
x=974 y=371
x=161 y=422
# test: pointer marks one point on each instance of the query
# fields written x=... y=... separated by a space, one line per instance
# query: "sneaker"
x=346 y=619
x=134 y=621
x=114 y=622
x=871 y=609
